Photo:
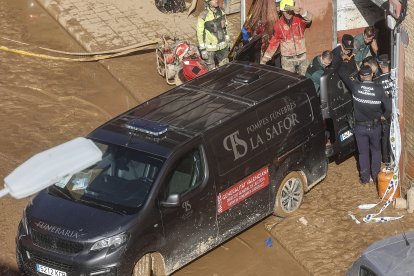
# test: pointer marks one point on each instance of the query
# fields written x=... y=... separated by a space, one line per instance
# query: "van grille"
x=55 y=244
x=36 y=259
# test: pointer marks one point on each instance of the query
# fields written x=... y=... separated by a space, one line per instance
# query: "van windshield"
x=120 y=182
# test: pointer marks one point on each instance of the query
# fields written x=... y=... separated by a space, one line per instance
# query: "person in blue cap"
x=370 y=103
x=372 y=62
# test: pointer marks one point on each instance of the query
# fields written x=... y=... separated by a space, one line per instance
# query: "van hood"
x=72 y=220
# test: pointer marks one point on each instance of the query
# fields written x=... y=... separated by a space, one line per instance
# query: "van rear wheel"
x=149 y=265
x=289 y=195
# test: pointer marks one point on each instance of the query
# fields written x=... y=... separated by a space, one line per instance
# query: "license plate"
x=345 y=135
x=49 y=271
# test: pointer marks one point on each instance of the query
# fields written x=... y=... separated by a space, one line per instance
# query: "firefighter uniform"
x=370 y=102
x=213 y=40
x=289 y=34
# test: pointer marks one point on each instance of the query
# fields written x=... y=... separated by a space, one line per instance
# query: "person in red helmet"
x=289 y=34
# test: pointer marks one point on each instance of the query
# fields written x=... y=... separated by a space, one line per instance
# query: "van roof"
x=197 y=106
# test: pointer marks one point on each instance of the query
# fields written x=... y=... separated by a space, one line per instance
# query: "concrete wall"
x=355 y=14
x=319 y=35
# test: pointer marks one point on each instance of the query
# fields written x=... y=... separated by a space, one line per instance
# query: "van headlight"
x=111 y=242
x=24 y=223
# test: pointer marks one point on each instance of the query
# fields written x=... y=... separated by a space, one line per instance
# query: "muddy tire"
x=149 y=265
x=179 y=77
x=143 y=267
x=160 y=61
x=289 y=195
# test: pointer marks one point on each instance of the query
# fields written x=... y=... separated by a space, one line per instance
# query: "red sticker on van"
x=243 y=189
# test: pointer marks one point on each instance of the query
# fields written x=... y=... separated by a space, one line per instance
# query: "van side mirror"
x=173 y=200
x=324 y=95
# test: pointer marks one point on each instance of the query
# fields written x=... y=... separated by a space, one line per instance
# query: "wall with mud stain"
x=353 y=16
x=408 y=102
x=319 y=36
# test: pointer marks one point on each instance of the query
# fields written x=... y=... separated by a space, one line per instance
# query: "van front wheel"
x=149 y=265
x=289 y=195
x=143 y=267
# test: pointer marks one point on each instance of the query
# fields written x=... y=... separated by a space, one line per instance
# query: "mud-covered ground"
x=331 y=241
x=44 y=103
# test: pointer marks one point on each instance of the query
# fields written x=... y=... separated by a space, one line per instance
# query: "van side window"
x=188 y=174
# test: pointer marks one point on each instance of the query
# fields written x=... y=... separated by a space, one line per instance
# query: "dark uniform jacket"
x=315 y=71
x=385 y=81
x=336 y=56
x=369 y=99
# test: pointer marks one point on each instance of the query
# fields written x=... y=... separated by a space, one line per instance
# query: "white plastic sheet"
x=48 y=167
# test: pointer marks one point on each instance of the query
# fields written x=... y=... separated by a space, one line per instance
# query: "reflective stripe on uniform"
x=214 y=46
x=365 y=101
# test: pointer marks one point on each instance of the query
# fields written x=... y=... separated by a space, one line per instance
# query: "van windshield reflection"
x=121 y=180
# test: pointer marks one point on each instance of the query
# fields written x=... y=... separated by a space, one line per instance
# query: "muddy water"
x=254 y=252
x=45 y=102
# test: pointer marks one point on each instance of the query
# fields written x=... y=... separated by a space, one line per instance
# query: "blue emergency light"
x=147 y=126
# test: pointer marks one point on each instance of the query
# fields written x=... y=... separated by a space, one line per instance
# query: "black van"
x=185 y=171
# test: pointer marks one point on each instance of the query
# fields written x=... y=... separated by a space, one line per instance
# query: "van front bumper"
x=102 y=263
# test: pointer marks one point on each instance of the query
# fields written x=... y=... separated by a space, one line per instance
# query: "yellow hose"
x=26 y=53
x=140 y=47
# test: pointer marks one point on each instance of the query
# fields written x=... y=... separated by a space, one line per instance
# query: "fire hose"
x=87 y=57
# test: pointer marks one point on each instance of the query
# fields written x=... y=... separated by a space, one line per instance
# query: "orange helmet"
x=181 y=50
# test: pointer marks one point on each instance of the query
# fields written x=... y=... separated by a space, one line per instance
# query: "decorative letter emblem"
x=237 y=145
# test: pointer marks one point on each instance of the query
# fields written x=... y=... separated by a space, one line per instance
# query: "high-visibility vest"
x=212 y=30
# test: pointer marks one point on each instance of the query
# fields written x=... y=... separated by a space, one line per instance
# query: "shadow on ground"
x=7 y=271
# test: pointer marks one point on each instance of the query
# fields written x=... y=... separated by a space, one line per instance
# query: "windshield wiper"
x=102 y=206
x=63 y=193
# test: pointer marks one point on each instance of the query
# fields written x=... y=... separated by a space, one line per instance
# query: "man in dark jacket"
x=369 y=101
x=371 y=61
x=343 y=52
x=317 y=68
x=385 y=80
x=384 y=77
x=364 y=44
